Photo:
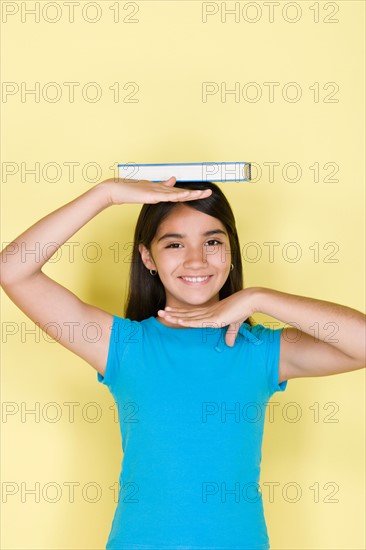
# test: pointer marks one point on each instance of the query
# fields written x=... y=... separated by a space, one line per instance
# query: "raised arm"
x=323 y=337
x=45 y=301
x=57 y=310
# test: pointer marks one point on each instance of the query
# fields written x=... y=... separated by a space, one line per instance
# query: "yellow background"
x=169 y=52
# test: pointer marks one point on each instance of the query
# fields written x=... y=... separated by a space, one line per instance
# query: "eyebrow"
x=180 y=236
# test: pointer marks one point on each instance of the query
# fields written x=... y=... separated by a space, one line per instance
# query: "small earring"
x=231 y=267
x=151 y=272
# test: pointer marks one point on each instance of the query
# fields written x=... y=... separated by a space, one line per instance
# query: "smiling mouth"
x=196 y=280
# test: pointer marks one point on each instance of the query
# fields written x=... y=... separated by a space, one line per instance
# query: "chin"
x=200 y=301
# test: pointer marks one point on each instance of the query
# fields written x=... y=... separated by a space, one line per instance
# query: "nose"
x=195 y=258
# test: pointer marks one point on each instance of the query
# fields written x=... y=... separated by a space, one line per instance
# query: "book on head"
x=187 y=171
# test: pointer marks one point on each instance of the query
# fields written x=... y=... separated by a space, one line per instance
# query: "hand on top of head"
x=124 y=191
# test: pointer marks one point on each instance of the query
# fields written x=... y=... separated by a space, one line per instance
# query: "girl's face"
x=189 y=243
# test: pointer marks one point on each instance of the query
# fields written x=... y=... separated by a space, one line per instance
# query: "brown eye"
x=214 y=241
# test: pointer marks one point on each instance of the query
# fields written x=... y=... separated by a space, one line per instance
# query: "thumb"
x=231 y=334
x=170 y=182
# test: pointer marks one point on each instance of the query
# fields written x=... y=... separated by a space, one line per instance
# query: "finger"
x=174 y=316
x=231 y=334
x=191 y=192
x=172 y=320
x=193 y=323
x=198 y=193
x=184 y=310
x=175 y=195
x=196 y=322
x=189 y=198
x=184 y=322
x=189 y=316
x=230 y=340
x=171 y=190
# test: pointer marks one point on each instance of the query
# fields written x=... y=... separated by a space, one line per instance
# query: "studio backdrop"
x=88 y=85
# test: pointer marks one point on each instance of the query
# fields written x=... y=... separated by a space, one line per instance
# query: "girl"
x=190 y=372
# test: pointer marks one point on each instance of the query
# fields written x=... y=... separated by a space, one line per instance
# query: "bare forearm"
x=26 y=255
x=338 y=325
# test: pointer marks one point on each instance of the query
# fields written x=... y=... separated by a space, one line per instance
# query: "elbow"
x=6 y=275
x=6 y=267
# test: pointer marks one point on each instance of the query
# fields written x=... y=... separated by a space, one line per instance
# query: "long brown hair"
x=146 y=293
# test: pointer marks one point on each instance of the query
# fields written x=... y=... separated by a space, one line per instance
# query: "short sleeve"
x=271 y=339
x=117 y=345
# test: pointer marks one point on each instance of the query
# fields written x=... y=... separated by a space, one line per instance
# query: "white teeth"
x=195 y=279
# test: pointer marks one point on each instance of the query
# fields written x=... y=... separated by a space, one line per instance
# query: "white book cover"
x=187 y=171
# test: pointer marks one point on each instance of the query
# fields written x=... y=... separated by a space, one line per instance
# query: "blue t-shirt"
x=191 y=414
